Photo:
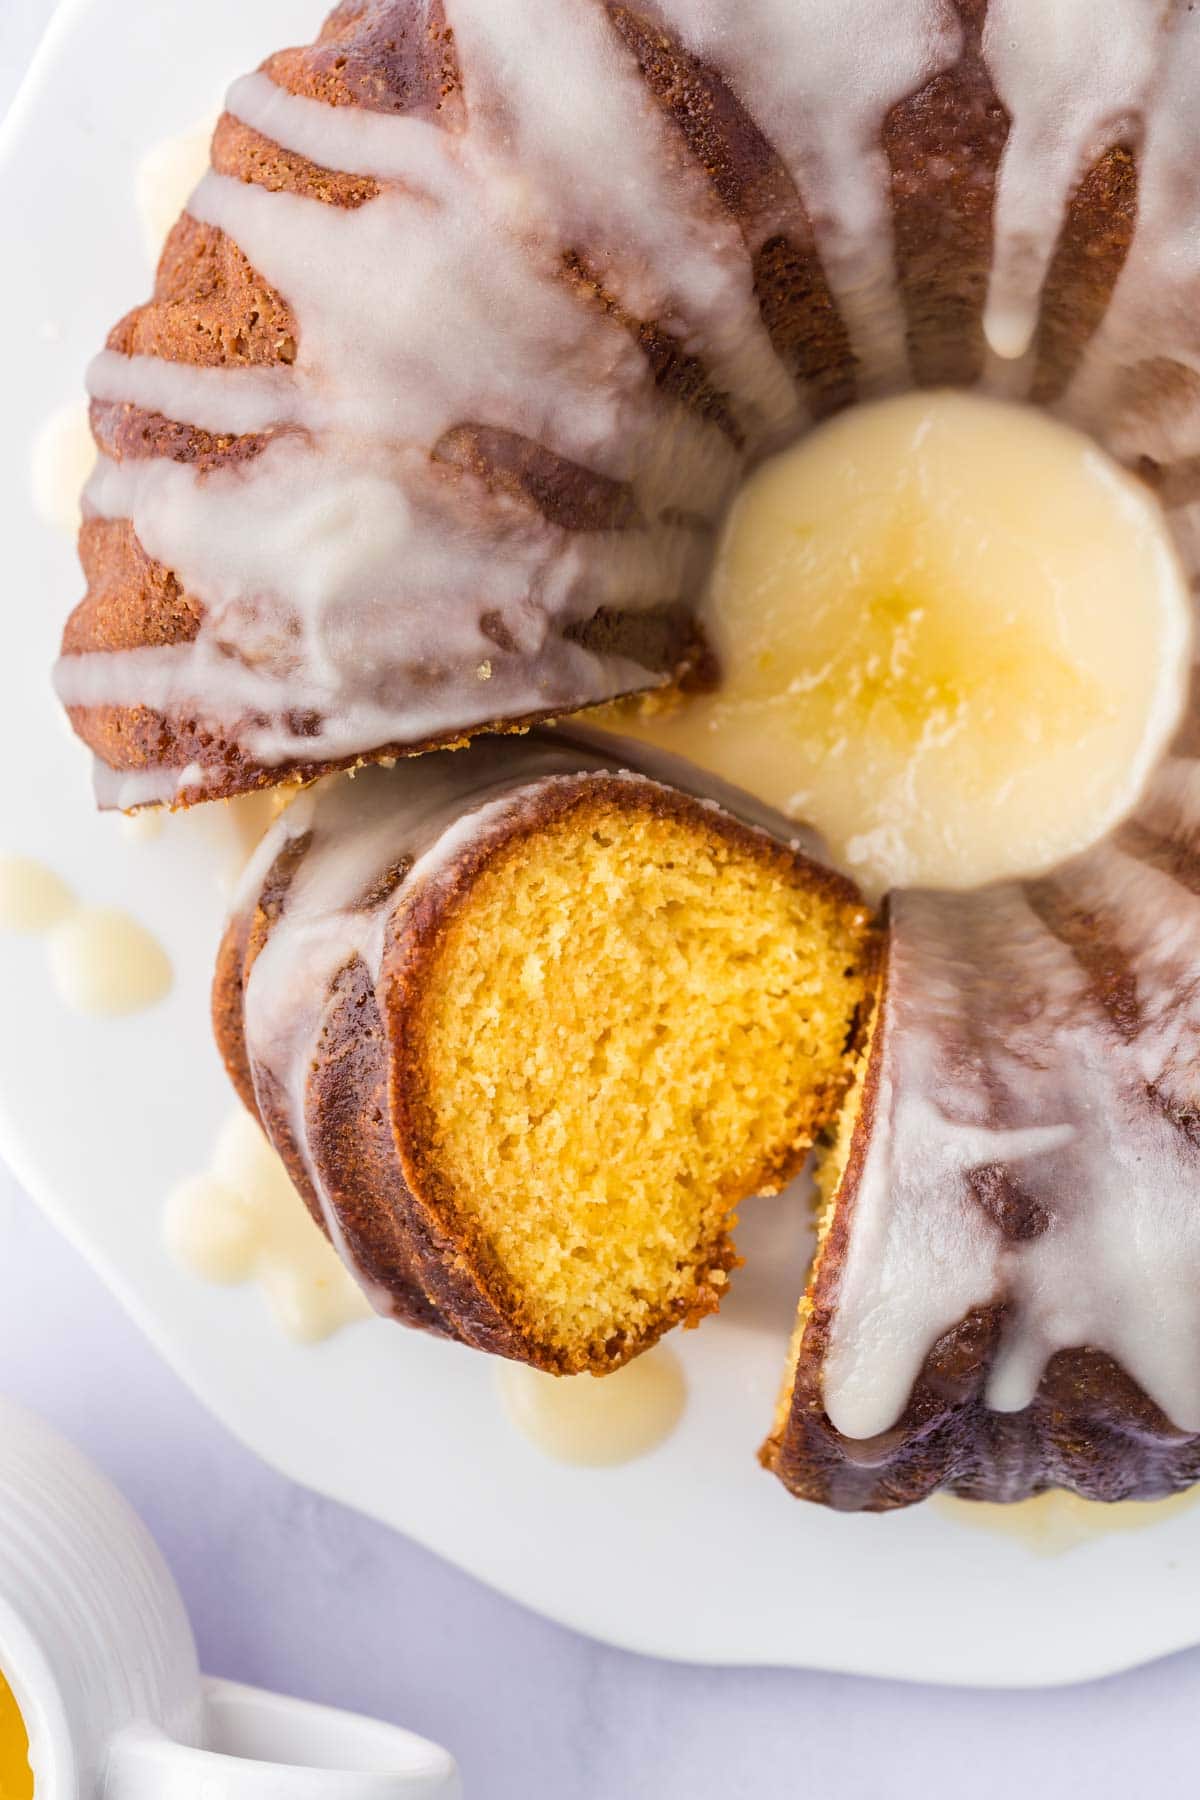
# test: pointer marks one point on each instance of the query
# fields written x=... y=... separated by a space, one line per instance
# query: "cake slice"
x=526 y=1028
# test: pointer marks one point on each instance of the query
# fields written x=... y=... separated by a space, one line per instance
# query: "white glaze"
x=952 y=635
x=995 y=1049
x=242 y=1220
x=166 y=176
x=102 y=961
x=1152 y=312
x=821 y=85
x=354 y=496
x=216 y=400
x=597 y=1422
x=1094 y=67
x=62 y=458
x=33 y=897
x=562 y=145
x=105 y=963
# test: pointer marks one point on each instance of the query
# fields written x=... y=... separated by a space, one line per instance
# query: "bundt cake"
x=525 y=1028
x=452 y=367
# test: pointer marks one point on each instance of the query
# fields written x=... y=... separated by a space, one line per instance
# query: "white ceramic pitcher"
x=99 y=1654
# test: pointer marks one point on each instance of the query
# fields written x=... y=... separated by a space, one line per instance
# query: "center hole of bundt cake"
x=952 y=634
x=636 y=1020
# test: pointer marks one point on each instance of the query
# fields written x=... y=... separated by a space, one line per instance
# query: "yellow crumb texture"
x=635 y=1023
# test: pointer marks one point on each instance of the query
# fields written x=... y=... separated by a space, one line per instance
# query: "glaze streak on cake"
x=945 y=148
x=563 y=492
x=751 y=180
x=1089 y=1429
x=122 y=430
x=1089 y=936
x=681 y=376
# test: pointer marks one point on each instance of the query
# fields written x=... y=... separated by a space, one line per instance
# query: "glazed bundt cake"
x=526 y=1028
x=452 y=368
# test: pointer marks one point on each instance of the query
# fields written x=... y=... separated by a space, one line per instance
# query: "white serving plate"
x=691 y=1552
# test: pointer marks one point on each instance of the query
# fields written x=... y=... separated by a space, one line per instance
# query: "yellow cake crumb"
x=634 y=1024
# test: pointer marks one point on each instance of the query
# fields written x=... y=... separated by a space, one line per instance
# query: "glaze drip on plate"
x=240 y=1220
x=597 y=1424
x=102 y=960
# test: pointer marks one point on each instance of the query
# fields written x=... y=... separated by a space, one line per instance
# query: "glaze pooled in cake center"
x=952 y=635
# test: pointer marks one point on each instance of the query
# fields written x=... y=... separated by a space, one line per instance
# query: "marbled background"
x=295 y=1593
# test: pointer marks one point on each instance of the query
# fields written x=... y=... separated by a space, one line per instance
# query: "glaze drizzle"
x=617 y=276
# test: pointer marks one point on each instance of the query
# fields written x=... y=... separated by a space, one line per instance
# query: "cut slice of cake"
x=527 y=1027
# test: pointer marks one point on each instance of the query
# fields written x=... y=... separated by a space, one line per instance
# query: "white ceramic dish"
x=691 y=1552
x=99 y=1654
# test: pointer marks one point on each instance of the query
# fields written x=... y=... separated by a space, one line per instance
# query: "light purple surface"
x=298 y=1594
